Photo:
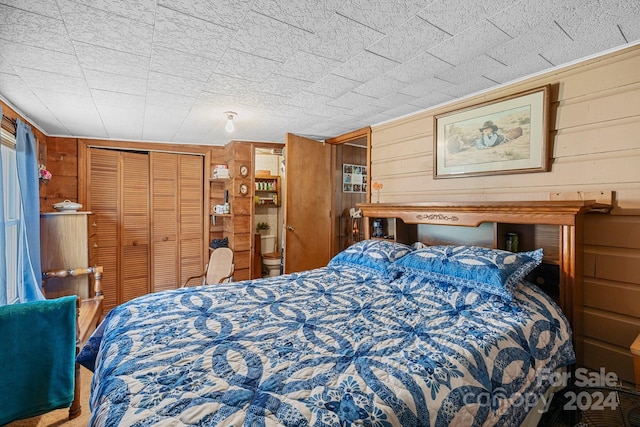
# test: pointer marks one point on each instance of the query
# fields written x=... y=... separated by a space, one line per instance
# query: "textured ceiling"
x=166 y=70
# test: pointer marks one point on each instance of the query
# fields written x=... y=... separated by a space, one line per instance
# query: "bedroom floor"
x=59 y=417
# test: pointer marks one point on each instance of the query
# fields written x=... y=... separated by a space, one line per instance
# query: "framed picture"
x=508 y=135
x=354 y=178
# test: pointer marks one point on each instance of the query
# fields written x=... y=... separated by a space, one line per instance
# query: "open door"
x=308 y=201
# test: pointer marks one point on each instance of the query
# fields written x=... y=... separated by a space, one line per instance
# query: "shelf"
x=267 y=190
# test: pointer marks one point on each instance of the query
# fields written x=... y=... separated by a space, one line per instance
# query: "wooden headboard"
x=555 y=226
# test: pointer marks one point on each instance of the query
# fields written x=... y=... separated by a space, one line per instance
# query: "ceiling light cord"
x=230 y=127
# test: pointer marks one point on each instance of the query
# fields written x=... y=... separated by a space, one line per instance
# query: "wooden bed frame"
x=555 y=226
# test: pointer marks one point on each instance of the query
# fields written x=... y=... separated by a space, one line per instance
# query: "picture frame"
x=504 y=136
x=354 y=178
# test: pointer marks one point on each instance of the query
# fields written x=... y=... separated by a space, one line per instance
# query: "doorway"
x=268 y=212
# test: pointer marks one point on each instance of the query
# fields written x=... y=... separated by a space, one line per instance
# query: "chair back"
x=220 y=268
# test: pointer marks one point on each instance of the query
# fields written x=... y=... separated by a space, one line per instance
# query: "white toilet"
x=270 y=256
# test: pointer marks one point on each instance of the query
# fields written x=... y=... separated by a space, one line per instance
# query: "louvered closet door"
x=192 y=215
x=164 y=264
x=135 y=249
x=104 y=201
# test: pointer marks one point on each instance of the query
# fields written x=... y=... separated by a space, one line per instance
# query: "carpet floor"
x=60 y=417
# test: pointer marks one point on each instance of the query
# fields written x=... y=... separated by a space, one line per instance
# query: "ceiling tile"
x=278 y=84
x=117 y=99
x=308 y=100
x=470 y=43
x=32 y=29
x=246 y=66
x=382 y=15
x=56 y=82
x=78 y=113
x=417 y=69
x=39 y=7
x=477 y=84
x=309 y=15
x=27 y=103
x=197 y=128
x=307 y=66
x=571 y=50
x=177 y=31
x=380 y=86
x=173 y=84
x=6 y=67
x=96 y=27
x=123 y=121
x=41 y=59
x=393 y=100
x=267 y=37
x=341 y=38
x=405 y=42
x=402 y=110
x=528 y=43
x=352 y=100
x=159 y=98
x=228 y=13
x=431 y=99
x=524 y=16
x=115 y=83
x=364 y=66
x=524 y=66
x=456 y=16
x=139 y=10
x=426 y=87
x=181 y=64
x=160 y=121
x=220 y=83
x=111 y=61
x=466 y=71
x=333 y=85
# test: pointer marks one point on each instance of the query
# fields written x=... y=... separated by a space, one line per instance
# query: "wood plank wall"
x=354 y=155
x=594 y=146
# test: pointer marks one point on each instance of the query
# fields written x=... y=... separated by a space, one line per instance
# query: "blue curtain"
x=30 y=222
x=3 y=257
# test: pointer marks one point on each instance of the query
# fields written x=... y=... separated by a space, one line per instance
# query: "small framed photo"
x=354 y=178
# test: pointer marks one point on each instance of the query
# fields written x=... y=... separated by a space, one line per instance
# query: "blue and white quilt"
x=335 y=346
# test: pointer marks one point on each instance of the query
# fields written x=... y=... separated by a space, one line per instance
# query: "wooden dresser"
x=64 y=238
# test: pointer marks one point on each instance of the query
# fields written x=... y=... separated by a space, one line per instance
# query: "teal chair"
x=37 y=355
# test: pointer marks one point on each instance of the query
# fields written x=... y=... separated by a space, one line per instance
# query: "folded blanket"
x=37 y=352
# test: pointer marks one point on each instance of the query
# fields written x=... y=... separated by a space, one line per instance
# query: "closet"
x=148 y=220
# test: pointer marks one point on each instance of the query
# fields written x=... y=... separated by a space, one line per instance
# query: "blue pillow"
x=373 y=255
x=489 y=271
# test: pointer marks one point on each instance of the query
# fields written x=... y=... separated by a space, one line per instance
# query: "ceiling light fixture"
x=229 y=127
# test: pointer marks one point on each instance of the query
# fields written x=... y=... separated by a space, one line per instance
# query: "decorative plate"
x=244 y=190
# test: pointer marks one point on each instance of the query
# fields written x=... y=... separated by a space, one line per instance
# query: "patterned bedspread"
x=327 y=347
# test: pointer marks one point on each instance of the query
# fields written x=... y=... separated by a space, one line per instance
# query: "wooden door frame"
x=344 y=139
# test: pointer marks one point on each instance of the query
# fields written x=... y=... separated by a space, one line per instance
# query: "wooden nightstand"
x=635 y=352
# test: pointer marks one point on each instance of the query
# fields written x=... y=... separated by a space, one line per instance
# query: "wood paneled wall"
x=594 y=146
x=355 y=155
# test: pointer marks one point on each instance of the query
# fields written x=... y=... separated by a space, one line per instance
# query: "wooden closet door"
x=191 y=216
x=164 y=221
x=135 y=248
x=103 y=185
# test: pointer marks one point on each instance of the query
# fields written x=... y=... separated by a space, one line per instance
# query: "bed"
x=384 y=335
